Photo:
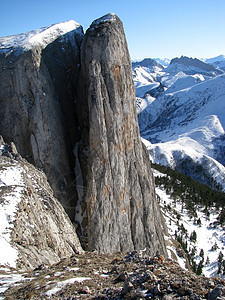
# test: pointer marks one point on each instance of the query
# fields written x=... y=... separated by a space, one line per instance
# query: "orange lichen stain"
x=105 y=219
x=121 y=201
x=158 y=259
x=90 y=205
x=122 y=194
x=116 y=71
x=106 y=191
x=128 y=133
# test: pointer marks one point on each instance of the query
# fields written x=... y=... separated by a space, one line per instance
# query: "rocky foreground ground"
x=115 y=276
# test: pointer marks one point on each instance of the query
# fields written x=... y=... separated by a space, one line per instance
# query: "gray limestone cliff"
x=34 y=226
x=121 y=207
x=68 y=103
x=38 y=78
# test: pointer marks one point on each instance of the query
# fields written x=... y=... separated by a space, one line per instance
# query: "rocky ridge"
x=194 y=62
x=36 y=228
x=147 y=62
x=115 y=276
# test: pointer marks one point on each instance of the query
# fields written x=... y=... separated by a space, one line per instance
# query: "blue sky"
x=159 y=28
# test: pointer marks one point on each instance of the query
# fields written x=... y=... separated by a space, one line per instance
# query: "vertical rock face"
x=79 y=125
x=122 y=212
x=38 y=75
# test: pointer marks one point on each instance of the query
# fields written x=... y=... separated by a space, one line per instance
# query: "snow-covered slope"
x=163 y=61
x=146 y=75
x=9 y=177
x=34 y=228
x=181 y=73
x=185 y=109
x=217 y=62
x=145 y=80
x=40 y=37
x=181 y=81
x=181 y=224
x=184 y=125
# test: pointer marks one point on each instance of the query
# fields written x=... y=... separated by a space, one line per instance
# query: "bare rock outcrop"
x=72 y=113
x=35 y=228
x=38 y=78
x=122 y=211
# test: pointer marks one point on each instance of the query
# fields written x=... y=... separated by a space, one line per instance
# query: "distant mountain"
x=145 y=75
x=215 y=59
x=181 y=73
x=186 y=131
x=192 y=66
x=217 y=62
x=184 y=122
x=163 y=61
x=147 y=62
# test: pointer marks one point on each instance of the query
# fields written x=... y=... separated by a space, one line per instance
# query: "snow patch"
x=111 y=17
x=60 y=285
x=7 y=281
x=9 y=177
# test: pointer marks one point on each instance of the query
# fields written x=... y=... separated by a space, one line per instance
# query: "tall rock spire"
x=122 y=211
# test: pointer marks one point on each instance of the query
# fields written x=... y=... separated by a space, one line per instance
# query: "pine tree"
x=193 y=236
x=201 y=254
x=199 y=222
x=220 y=263
x=214 y=247
x=207 y=261
x=223 y=266
x=199 y=268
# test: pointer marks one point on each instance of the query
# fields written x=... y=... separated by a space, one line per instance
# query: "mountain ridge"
x=41 y=37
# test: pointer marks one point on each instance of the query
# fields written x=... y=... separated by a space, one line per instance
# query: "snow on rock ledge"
x=111 y=17
x=40 y=37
